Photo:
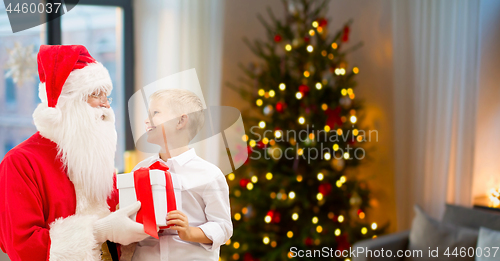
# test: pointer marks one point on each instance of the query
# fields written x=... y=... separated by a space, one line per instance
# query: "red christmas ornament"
x=277 y=38
x=322 y=22
x=244 y=182
x=325 y=188
x=271 y=214
x=274 y=215
x=304 y=89
x=280 y=107
x=308 y=241
x=342 y=243
x=277 y=217
x=345 y=34
x=360 y=211
x=333 y=117
x=248 y=257
x=261 y=145
x=306 y=39
x=249 y=152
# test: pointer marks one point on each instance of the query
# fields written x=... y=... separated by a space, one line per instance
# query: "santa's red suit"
x=58 y=183
x=35 y=192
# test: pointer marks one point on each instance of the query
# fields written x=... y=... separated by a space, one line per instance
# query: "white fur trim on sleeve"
x=72 y=238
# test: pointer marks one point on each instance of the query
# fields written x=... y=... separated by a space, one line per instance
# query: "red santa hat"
x=69 y=70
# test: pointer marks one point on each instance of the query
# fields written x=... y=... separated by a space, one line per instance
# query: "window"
x=36 y=83
x=10 y=91
x=8 y=145
x=16 y=102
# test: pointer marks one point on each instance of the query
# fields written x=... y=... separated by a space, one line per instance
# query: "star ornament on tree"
x=21 y=65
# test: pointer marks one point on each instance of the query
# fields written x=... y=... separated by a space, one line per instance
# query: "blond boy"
x=203 y=222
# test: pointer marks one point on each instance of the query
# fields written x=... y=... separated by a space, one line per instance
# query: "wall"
x=486 y=163
x=372 y=25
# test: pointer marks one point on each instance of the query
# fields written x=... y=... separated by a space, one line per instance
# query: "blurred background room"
x=422 y=74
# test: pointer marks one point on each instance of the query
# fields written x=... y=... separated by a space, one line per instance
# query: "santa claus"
x=57 y=187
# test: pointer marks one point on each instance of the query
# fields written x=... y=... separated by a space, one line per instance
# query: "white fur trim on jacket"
x=72 y=238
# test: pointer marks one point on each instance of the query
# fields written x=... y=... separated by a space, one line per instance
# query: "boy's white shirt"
x=205 y=201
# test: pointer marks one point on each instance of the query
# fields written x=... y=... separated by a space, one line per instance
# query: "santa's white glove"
x=118 y=227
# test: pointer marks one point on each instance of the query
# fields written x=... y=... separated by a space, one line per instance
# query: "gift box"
x=158 y=190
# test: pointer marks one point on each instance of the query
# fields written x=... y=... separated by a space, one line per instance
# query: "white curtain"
x=172 y=36
x=435 y=80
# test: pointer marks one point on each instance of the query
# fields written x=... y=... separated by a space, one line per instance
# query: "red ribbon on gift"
x=142 y=182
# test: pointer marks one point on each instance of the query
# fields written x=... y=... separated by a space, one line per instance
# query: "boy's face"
x=160 y=115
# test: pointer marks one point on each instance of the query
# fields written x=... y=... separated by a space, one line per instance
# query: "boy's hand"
x=180 y=223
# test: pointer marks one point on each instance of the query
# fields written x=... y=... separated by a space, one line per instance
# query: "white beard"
x=86 y=144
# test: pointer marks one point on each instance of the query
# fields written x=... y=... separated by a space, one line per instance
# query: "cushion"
x=429 y=234
x=486 y=241
x=473 y=218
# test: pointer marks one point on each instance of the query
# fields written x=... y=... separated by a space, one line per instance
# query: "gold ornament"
x=345 y=102
x=275 y=152
x=355 y=200
x=297 y=42
x=338 y=164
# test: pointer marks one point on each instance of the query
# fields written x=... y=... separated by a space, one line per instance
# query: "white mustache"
x=105 y=114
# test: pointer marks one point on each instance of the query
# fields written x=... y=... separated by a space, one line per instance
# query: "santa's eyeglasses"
x=102 y=97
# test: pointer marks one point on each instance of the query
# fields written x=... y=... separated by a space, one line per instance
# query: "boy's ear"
x=183 y=120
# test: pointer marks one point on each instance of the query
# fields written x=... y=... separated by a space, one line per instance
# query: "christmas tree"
x=298 y=189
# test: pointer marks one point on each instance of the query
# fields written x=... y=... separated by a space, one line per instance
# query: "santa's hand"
x=119 y=228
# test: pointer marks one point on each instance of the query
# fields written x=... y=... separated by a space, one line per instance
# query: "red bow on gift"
x=142 y=182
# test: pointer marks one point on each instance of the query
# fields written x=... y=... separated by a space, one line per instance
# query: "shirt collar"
x=184 y=157
x=180 y=159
